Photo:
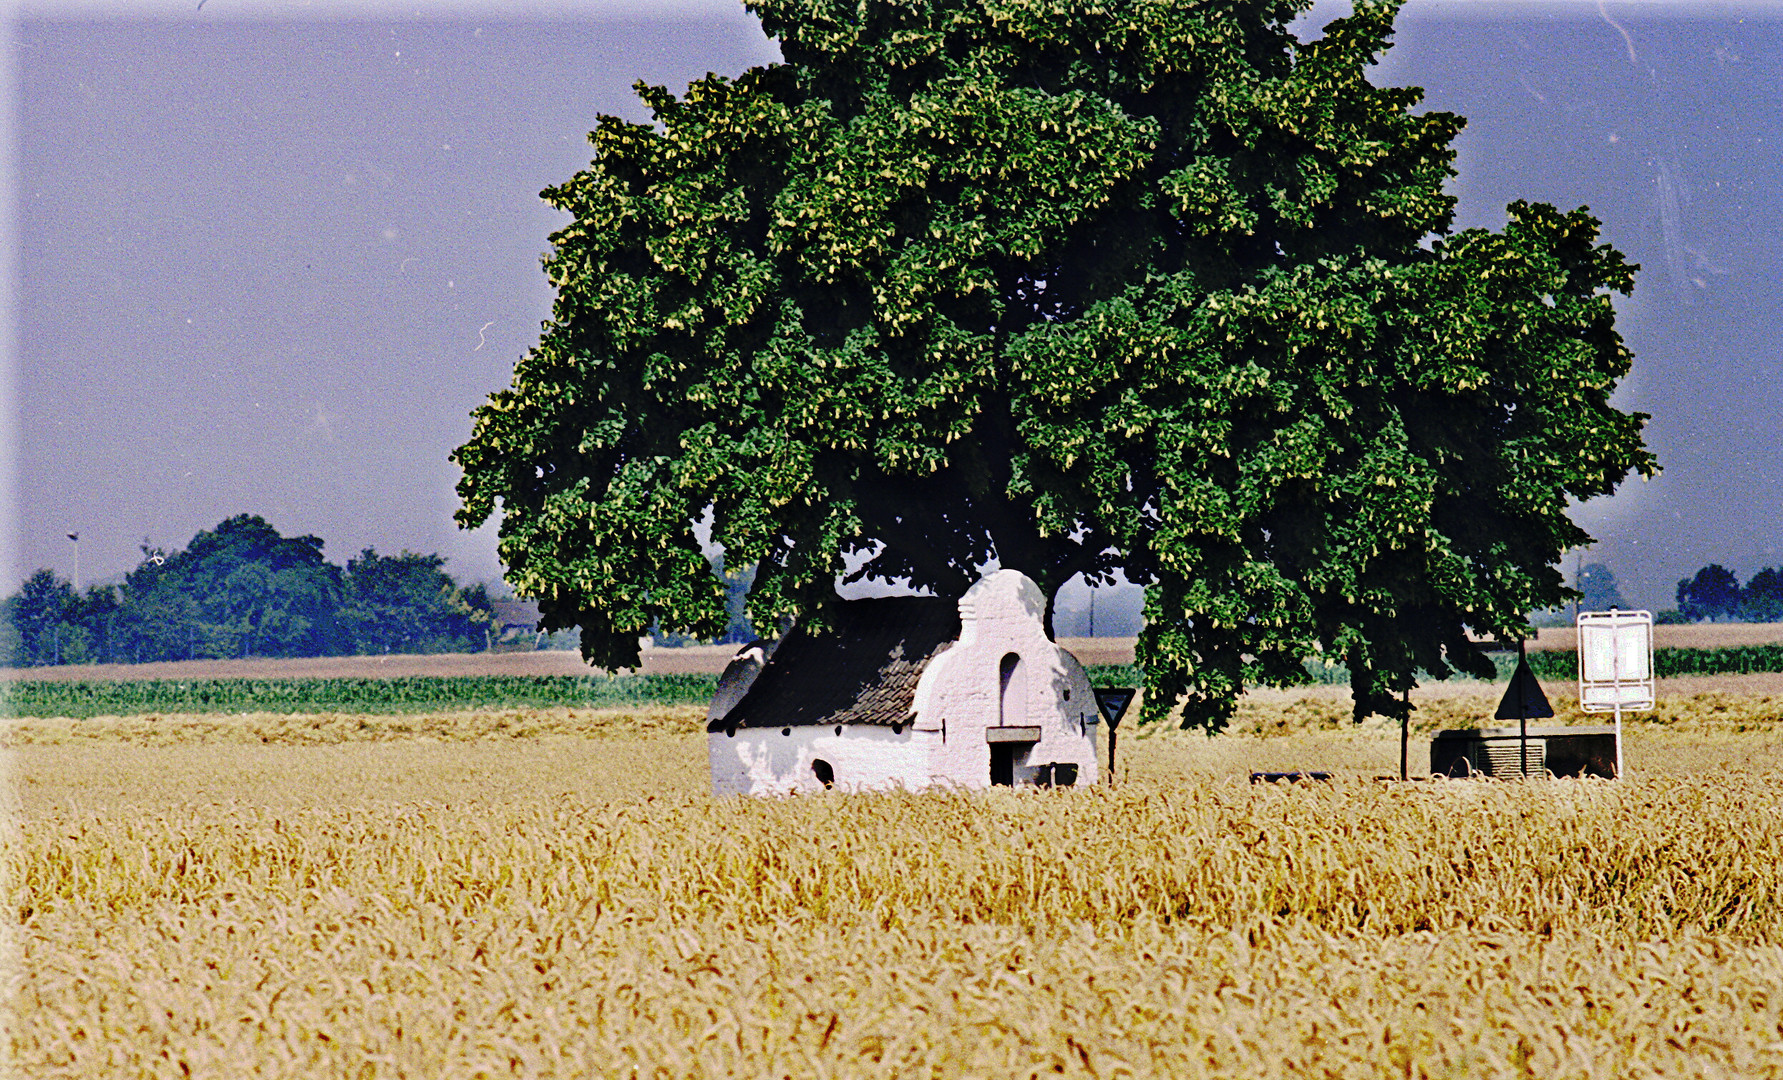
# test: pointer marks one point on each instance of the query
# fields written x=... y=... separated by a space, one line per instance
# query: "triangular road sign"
x=1113 y=701
x=1523 y=699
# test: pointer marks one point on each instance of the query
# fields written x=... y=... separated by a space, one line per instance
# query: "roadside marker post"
x=1523 y=702
x=1113 y=702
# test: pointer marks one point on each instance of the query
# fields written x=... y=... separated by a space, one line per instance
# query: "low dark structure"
x=1553 y=751
x=1290 y=777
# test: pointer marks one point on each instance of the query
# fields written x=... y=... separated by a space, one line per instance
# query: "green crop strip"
x=1670 y=663
x=419 y=693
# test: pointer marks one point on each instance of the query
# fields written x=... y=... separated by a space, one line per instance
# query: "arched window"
x=1012 y=692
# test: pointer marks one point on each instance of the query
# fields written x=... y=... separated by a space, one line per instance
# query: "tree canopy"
x=1714 y=592
x=1138 y=286
x=407 y=603
x=1597 y=589
x=243 y=590
x=1762 y=598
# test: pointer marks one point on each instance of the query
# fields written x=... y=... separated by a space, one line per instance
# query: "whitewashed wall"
x=960 y=692
x=777 y=761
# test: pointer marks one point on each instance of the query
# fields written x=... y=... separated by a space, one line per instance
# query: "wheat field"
x=551 y=893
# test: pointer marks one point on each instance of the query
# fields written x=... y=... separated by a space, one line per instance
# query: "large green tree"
x=1144 y=284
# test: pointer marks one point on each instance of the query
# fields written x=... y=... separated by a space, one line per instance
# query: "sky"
x=266 y=258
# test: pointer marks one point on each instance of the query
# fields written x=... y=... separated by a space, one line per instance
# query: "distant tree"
x=1762 y=598
x=1150 y=286
x=157 y=619
x=738 y=628
x=99 y=614
x=241 y=589
x=474 y=604
x=1597 y=587
x=47 y=622
x=407 y=603
x=1669 y=617
x=11 y=644
x=1713 y=593
x=42 y=614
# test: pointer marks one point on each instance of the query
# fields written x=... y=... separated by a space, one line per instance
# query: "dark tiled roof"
x=521 y=613
x=863 y=671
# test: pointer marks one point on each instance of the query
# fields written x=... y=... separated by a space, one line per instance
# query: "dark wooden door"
x=1003 y=764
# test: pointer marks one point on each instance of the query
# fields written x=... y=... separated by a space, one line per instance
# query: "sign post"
x=1113 y=702
x=1523 y=701
x=1616 y=665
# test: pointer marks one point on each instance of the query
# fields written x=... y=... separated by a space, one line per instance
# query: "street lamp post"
x=74 y=536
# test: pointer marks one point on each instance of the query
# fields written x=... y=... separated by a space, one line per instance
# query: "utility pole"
x=1578 y=579
x=74 y=536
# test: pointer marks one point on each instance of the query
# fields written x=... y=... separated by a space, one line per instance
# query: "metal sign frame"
x=1616 y=665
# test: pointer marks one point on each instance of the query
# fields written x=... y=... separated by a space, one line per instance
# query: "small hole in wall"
x=825 y=775
x=838 y=729
x=730 y=732
x=1067 y=693
x=786 y=731
x=897 y=729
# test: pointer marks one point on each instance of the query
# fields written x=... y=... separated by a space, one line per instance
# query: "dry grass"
x=1681 y=636
x=540 y=901
x=327 y=729
x=1702 y=704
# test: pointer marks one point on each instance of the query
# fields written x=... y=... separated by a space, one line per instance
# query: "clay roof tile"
x=863 y=671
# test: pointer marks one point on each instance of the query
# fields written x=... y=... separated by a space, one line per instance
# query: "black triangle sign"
x=1113 y=701
x=1523 y=699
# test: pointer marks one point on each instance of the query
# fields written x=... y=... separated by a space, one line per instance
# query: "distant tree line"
x=242 y=590
x=1712 y=593
x=1715 y=593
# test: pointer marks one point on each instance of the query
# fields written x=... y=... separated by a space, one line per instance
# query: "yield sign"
x=1523 y=699
x=1113 y=702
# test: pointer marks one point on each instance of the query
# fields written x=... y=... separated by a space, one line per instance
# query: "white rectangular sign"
x=1615 y=660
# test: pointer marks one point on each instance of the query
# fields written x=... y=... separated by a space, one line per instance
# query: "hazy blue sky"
x=269 y=265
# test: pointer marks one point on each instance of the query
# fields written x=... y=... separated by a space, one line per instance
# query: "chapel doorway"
x=1003 y=763
x=1012 y=711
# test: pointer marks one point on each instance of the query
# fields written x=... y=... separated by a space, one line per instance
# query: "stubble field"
x=552 y=893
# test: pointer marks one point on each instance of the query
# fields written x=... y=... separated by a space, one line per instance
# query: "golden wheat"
x=540 y=901
x=353 y=987
x=1641 y=859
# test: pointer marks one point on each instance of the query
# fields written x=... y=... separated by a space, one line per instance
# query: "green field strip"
x=420 y=693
